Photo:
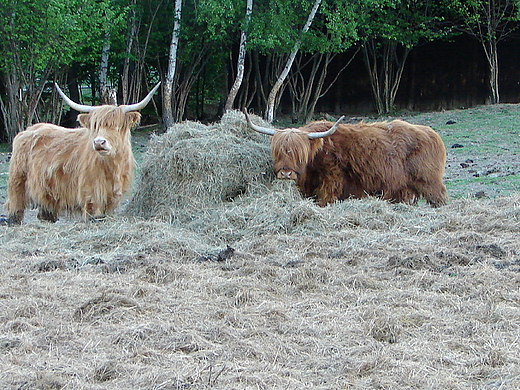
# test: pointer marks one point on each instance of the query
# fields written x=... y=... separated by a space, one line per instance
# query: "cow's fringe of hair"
x=111 y=117
x=296 y=143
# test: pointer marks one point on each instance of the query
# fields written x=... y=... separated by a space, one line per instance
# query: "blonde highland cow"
x=85 y=170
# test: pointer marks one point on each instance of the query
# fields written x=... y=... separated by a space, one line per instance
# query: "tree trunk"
x=20 y=107
x=260 y=89
x=132 y=33
x=139 y=76
x=271 y=100
x=168 y=118
x=385 y=77
x=244 y=98
x=105 y=93
x=307 y=90
x=490 y=48
x=301 y=87
x=241 y=59
x=12 y=106
x=189 y=77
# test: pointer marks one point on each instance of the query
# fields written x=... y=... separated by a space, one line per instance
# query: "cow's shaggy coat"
x=86 y=169
x=395 y=160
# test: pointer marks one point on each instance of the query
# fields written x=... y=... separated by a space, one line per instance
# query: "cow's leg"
x=47 y=215
x=434 y=193
x=405 y=195
x=438 y=197
x=92 y=212
x=411 y=197
x=16 y=198
x=330 y=188
x=12 y=219
x=113 y=202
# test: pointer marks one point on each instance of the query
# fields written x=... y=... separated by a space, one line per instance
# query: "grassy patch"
x=480 y=186
x=4 y=168
x=5 y=148
x=483 y=144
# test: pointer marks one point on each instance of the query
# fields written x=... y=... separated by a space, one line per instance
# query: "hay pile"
x=194 y=166
x=361 y=294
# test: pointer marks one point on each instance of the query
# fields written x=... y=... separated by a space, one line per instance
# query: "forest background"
x=278 y=57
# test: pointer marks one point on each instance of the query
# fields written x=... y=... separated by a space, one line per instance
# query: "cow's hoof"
x=5 y=221
x=99 y=218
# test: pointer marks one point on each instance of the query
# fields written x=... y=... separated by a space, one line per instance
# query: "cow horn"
x=142 y=104
x=73 y=105
x=326 y=133
x=260 y=129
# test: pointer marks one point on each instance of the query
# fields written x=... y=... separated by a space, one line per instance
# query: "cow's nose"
x=285 y=174
x=100 y=143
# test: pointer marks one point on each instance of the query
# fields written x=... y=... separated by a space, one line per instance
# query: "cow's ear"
x=134 y=117
x=84 y=120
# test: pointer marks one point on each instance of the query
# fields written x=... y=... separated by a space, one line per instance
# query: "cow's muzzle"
x=286 y=174
x=101 y=145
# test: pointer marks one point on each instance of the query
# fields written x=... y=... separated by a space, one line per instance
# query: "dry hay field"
x=214 y=276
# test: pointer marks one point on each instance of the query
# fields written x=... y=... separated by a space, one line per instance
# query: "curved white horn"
x=142 y=104
x=328 y=132
x=73 y=105
x=263 y=130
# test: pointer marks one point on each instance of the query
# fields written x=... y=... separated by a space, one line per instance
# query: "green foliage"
x=489 y=21
x=36 y=33
x=341 y=23
x=220 y=17
x=38 y=36
x=407 y=22
x=105 y=17
x=276 y=25
x=101 y=19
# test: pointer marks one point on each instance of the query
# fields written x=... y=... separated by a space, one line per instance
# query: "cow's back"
x=396 y=160
x=374 y=157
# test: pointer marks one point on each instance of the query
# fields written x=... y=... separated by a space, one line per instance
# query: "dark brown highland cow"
x=395 y=160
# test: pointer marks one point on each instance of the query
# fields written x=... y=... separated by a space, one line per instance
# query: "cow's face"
x=292 y=151
x=109 y=128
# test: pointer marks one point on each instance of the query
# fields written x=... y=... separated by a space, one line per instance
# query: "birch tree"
x=168 y=87
x=112 y=15
x=392 y=29
x=241 y=58
x=490 y=22
x=143 y=45
x=106 y=96
x=336 y=32
x=271 y=100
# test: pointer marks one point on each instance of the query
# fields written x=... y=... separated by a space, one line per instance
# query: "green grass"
x=4 y=168
x=502 y=186
x=490 y=136
x=5 y=148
